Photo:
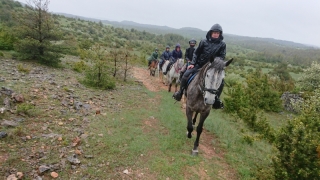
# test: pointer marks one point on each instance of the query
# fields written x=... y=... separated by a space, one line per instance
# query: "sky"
x=292 y=20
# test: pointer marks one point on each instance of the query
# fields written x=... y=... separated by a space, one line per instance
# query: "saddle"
x=191 y=77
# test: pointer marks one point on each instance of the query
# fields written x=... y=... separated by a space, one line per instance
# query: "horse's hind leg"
x=169 y=89
x=195 y=119
x=203 y=117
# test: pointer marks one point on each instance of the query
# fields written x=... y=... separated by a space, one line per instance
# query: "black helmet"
x=192 y=41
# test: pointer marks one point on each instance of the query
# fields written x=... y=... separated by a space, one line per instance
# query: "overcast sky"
x=293 y=20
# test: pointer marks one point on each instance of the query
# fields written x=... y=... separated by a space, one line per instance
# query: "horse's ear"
x=229 y=62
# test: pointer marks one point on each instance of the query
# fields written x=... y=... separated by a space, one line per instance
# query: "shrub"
x=79 y=66
x=298 y=144
x=98 y=79
x=25 y=108
x=21 y=68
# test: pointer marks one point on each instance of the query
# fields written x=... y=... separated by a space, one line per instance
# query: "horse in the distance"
x=201 y=94
x=153 y=67
x=173 y=73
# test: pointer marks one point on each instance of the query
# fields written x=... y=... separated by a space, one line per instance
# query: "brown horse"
x=201 y=95
x=153 y=67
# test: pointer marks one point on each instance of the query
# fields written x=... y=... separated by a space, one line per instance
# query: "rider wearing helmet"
x=176 y=54
x=212 y=46
x=188 y=56
x=153 y=57
x=164 y=56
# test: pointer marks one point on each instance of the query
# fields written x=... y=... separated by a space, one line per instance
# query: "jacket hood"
x=215 y=27
x=178 y=45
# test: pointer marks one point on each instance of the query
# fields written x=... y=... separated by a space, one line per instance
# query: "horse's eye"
x=207 y=75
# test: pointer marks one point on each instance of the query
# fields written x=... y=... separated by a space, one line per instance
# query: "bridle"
x=202 y=87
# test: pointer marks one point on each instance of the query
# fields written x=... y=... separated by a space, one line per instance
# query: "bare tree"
x=127 y=56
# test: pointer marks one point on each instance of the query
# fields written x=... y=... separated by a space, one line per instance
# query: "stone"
x=18 y=97
x=289 y=100
x=6 y=91
x=19 y=175
x=28 y=137
x=51 y=135
x=73 y=159
x=43 y=168
x=3 y=134
x=88 y=156
x=126 y=171
x=7 y=123
x=12 y=177
x=54 y=174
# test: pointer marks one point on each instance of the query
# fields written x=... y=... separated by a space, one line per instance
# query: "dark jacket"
x=176 y=54
x=154 y=56
x=165 y=55
x=209 y=48
x=189 y=53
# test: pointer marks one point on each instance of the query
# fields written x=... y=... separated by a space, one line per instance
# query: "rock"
x=28 y=137
x=54 y=174
x=38 y=178
x=78 y=152
x=88 y=156
x=12 y=177
x=60 y=123
x=84 y=136
x=9 y=123
x=73 y=159
x=19 y=175
x=126 y=171
x=51 y=135
x=86 y=106
x=3 y=134
x=6 y=103
x=6 y=91
x=289 y=100
x=60 y=138
x=43 y=168
x=77 y=105
x=18 y=97
x=2 y=110
x=98 y=111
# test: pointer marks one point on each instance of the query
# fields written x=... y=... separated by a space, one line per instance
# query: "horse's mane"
x=218 y=64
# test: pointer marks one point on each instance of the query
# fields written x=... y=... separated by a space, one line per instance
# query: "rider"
x=188 y=56
x=164 y=56
x=212 y=46
x=175 y=55
x=154 y=56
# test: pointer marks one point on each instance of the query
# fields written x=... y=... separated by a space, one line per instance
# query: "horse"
x=173 y=73
x=201 y=94
x=153 y=67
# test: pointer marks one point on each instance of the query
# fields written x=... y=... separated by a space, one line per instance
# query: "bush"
x=21 y=68
x=311 y=78
x=79 y=66
x=298 y=144
x=98 y=79
x=25 y=108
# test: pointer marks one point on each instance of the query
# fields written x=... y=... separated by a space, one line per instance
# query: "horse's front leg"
x=203 y=117
x=189 y=114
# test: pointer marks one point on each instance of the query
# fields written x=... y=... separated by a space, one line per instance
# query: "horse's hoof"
x=189 y=135
x=194 y=152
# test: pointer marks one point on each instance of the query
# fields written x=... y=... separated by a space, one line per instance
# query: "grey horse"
x=201 y=94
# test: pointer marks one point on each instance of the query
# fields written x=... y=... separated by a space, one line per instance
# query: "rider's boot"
x=178 y=95
x=218 y=104
x=168 y=67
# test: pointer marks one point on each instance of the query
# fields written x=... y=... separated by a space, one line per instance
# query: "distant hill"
x=189 y=32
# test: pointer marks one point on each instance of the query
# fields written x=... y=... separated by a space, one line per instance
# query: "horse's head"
x=212 y=75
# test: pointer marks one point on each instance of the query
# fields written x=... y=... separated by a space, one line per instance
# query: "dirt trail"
x=206 y=147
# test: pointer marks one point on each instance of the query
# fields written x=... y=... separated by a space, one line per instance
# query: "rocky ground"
x=45 y=116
